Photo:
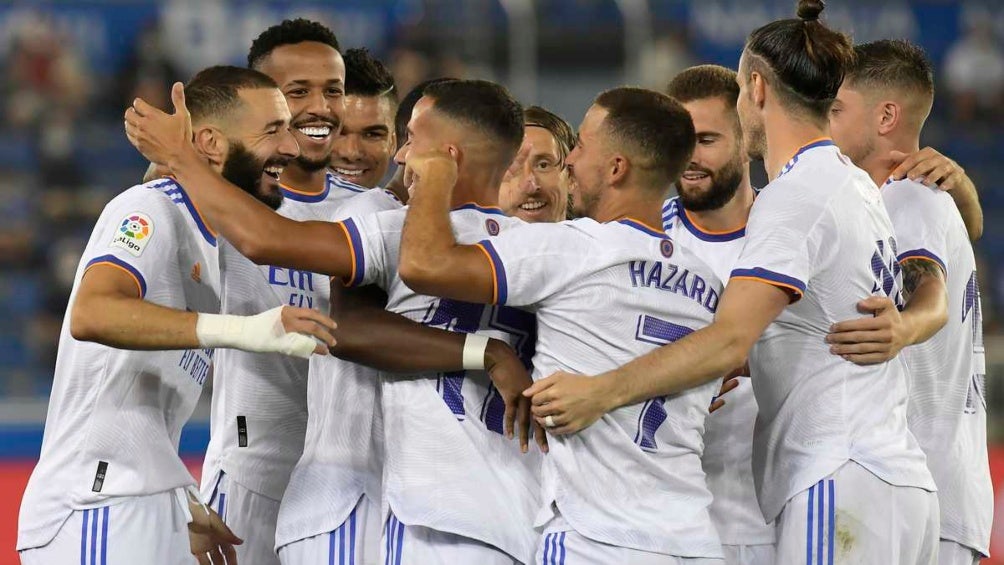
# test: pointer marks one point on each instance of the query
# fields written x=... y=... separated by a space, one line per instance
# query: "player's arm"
x=935 y=169
x=390 y=342
x=109 y=309
x=880 y=336
x=746 y=309
x=431 y=260
x=256 y=231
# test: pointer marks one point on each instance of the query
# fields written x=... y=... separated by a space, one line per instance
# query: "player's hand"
x=433 y=167
x=511 y=378
x=211 y=541
x=569 y=402
x=312 y=323
x=871 y=340
x=930 y=168
x=729 y=383
x=162 y=138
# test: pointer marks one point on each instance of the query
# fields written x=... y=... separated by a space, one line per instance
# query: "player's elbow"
x=735 y=346
x=975 y=230
x=255 y=249
x=85 y=321
x=420 y=276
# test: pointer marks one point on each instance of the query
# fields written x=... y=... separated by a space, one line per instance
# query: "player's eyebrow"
x=275 y=124
x=713 y=134
x=379 y=128
x=307 y=82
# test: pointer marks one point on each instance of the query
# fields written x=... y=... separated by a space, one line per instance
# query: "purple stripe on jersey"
x=771 y=276
x=94 y=537
x=206 y=233
x=400 y=542
x=83 y=538
x=120 y=263
x=643 y=228
x=547 y=549
x=331 y=547
x=562 y=543
x=104 y=537
x=356 y=240
x=819 y=526
x=342 y=183
x=808 y=527
x=352 y=536
x=341 y=544
x=922 y=254
x=500 y=274
x=832 y=521
x=711 y=237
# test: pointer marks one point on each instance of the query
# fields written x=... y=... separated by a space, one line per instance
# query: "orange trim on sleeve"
x=922 y=258
x=794 y=289
x=352 y=254
x=139 y=285
x=495 y=275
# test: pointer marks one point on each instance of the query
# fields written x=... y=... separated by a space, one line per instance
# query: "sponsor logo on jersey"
x=134 y=232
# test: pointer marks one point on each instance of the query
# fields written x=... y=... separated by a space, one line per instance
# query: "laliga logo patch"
x=492 y=226
x=134 y=233
x=666 y=247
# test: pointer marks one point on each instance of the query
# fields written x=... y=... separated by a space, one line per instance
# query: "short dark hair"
x=404 y=109
x=366 y=76
x=653 y=126
x=807 y=58
x=484 y=105
x=559 y=128
x=703 y=82
x=215 y=91
x=289 y=32
x=892 y=62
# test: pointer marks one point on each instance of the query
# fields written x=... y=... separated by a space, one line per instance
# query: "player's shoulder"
x=910 y=193
x=370 y=202
x=337 y=187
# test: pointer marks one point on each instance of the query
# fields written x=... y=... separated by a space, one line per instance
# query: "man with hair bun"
x=833 y=460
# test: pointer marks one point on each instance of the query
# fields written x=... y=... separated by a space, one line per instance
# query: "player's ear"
x=758 y=90
x=618 y=169
x=888 y=116
x=211 y=142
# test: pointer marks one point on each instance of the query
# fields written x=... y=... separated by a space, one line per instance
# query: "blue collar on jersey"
x=824 y=142
x=710 y=236
x=643 y=228
x=173 y=190
x=309 y=197
x=483 y=209
x=333 y=179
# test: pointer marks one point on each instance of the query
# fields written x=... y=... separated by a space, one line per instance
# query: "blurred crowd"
x=63 y=154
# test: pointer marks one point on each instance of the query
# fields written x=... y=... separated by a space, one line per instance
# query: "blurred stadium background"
x=69 y=67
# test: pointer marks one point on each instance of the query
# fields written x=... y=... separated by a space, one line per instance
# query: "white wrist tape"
x=261 y=333
x=474 y=352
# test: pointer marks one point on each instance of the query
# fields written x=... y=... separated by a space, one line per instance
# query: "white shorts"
x=954 y=553
x=760 y=554
x=355 y=542
x=251 y=516
x=149 y=529
x=418 y=545
x=562 y=545
x=852 y=516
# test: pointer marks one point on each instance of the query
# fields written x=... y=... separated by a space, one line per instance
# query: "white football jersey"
x=115 y=416
x=820 y=231
x=447 y=465
x=259 y=409
x=605 y=294
x=947 y=410
x=342 y=451
x=728 y=434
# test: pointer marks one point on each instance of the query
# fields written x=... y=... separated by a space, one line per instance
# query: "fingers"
x=216 y=556
x=508 y=418
x=313 y=315
x=223 y=532
x=862 y=348
x=230 y=553
x=868 y=359
x=728 y=385
x=203 y=559
x=312 y=329
x=545 y=410
x=907 y=162
x=540 y=436
x=875 y=304
x=523 y=410
x=178 y=98
x=857 y=338
x=539 y=387
x=858 y=325
x=716 y=405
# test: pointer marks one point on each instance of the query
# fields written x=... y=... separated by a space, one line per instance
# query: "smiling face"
x=363 y=149
x=716 y=169
x=311 y=76
x=536 y=187
x=588 y=161
x=260 y=144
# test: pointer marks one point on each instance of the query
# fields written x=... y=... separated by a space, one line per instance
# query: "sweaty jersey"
x=448 y=465
x=342 y=451
x=259 y=409
x=115 y=416
x=820 y=231
x=605 y=294
x=947 y=409
x=728 y=434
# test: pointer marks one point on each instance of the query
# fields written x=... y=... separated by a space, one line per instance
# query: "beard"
x=245 y=170
x=756 y=141
x=724 y=184
x=309 y=165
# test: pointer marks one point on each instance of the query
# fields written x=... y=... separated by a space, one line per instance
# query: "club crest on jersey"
x=666 y=247
x=492 y=226
x=134 y=233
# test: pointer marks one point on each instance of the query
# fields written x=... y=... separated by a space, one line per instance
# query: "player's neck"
x=310 y=182
x=879 y=163
x=480 y=189
x=642 y=205
x=396 y=185
x=733 y=215
x=784 y=138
